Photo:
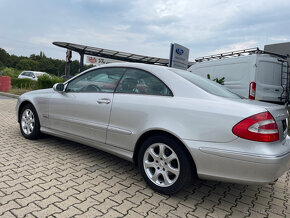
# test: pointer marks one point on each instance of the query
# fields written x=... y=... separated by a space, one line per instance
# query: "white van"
x=257 y=76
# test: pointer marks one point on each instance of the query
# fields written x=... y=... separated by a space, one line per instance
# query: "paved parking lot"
x=4 y=97
x=58 y=178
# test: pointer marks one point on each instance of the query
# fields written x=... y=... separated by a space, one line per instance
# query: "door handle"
x=104 y=101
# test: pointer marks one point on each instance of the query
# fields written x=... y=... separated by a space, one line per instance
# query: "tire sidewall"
x=186 y=169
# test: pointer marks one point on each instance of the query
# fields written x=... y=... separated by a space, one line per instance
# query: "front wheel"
x=165 y=164
x=29 y=122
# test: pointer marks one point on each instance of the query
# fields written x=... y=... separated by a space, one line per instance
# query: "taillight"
x=260 y=127
x=252 y=90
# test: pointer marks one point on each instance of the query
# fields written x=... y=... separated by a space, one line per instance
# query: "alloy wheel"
x=161 y=164
x=27 y=121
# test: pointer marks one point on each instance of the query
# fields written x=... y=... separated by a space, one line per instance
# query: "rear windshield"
x=206 y=84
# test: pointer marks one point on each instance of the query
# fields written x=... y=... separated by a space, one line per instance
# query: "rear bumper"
x=220 y=161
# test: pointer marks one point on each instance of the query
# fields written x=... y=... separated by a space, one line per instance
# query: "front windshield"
x=206 y=84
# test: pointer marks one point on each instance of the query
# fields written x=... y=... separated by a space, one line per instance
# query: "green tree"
x=27 y=64
x=42 y=55
x=38 y=62
x=13 y=61
x=4 y=57
x=220 y=81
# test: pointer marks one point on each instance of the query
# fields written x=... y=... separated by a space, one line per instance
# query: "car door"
x=137 y=101
x=32 y=76
x=84 y=108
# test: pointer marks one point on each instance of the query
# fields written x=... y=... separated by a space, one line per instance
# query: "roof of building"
x=112 y=54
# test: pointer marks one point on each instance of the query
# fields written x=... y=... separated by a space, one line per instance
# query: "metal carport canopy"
x=117 y=55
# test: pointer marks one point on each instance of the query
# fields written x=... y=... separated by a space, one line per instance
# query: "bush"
x=220 y=81
x=8 y=71
x=23 y=83
x=46 y=81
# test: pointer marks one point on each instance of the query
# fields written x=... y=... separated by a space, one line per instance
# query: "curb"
x=9 y=95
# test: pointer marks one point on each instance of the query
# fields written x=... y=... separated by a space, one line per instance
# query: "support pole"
x=68 y=62
x=81 y=61
x=68 y=70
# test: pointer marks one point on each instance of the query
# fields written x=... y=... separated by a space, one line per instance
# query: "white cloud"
x=236 y=47
x=121 y=27
x=147 y=26
x=8 y=49
x=280 y=39
x=93 y=1
x=40 y=41
x=113 y=39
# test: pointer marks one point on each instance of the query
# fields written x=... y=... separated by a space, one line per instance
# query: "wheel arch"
x=151 y=133
x=26 y=102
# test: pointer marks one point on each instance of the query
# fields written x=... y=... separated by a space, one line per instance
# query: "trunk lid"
x=280 y=114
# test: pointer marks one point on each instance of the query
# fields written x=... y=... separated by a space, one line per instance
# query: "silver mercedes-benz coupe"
x=173 y=124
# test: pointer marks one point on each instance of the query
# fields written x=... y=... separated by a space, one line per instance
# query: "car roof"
x=39 y=72
x=134 y=65
x=30 y=71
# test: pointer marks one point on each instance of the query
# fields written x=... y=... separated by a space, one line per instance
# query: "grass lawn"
x=18 y=91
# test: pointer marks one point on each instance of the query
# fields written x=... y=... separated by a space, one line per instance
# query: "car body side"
x=35 y=74
x=202 y=122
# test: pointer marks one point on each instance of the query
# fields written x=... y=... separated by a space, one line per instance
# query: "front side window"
x=98 y=80
x=137 y=81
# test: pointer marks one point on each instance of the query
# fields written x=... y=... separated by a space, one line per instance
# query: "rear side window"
x=39 y=74
x=206 y=84
x=137 y=81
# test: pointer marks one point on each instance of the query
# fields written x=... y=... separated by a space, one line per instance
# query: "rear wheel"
x=29 y=122
x=165 y=164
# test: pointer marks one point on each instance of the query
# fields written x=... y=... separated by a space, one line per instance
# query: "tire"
x=29 y=122
x=169 y=172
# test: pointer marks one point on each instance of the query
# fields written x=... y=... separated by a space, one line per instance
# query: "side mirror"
x=58 y=87
x=33 y=76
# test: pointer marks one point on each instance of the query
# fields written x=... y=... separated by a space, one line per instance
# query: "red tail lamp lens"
x=260 y=127
x=252 y=91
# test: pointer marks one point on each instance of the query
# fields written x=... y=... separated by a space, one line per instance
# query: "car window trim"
x=126 y=69
x=171 y=93
x=114 y=92
x=89 y=72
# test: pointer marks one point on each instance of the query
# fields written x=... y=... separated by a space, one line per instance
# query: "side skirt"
x=124 y=154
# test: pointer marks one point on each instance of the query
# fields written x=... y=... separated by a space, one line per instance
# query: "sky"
x=145 y=27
